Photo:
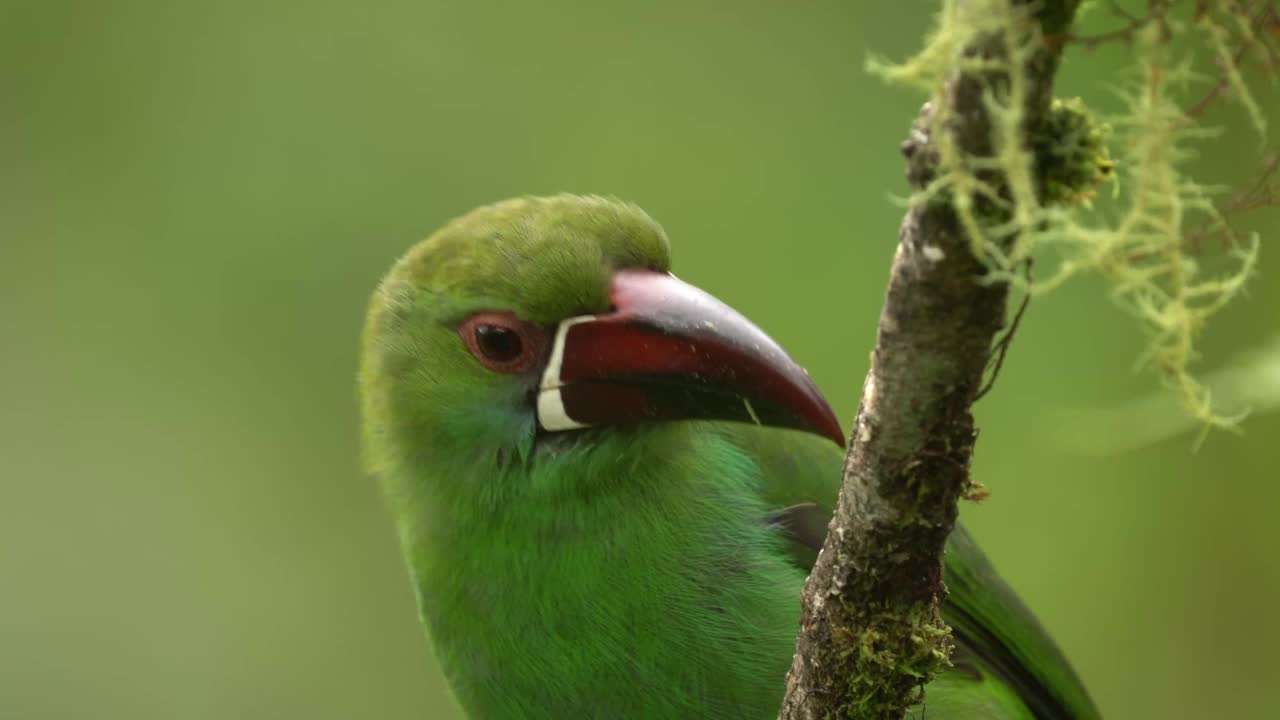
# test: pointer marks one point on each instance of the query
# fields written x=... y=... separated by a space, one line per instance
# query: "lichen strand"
x=1031 y=194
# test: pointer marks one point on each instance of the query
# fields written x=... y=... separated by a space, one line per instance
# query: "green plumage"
x=628 y=570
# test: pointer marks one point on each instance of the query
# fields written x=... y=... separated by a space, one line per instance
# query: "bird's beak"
x=671 y=351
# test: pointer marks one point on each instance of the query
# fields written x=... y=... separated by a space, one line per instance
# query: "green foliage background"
x=196 y=199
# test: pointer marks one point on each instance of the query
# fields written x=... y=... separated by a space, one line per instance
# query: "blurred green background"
x=197 y=198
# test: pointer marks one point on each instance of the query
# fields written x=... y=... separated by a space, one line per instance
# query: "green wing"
x=1002 y=651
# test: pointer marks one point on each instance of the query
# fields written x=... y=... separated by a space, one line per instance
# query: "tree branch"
x=872 y=632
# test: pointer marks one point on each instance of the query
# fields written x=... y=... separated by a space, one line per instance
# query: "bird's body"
x=586 y=537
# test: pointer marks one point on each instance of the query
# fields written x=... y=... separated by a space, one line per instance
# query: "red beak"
x=671 y=351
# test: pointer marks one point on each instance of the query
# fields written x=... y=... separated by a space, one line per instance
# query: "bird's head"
x=534 y=318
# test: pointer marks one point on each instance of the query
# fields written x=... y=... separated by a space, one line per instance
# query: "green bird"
x=609 y=486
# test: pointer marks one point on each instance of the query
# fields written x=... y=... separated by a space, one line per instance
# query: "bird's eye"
x=502 y=342
x=498 y=343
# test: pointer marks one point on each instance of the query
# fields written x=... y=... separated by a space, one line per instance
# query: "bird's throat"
x=634 y=578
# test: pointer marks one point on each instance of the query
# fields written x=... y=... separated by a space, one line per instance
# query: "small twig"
x=1156 y=12
x=1263 y=194
x=1001 y=347
x=1219 y=88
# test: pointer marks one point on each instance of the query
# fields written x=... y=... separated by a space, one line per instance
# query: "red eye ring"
x=502 y=342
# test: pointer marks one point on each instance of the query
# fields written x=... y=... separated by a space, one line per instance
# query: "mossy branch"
x=1003 y=173
x=872 y=633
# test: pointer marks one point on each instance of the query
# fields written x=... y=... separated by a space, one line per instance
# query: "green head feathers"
x=543 y=259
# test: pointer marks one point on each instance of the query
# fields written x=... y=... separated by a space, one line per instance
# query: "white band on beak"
x=551 y=412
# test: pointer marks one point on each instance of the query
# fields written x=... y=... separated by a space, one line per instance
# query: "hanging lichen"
x=1032 y=196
